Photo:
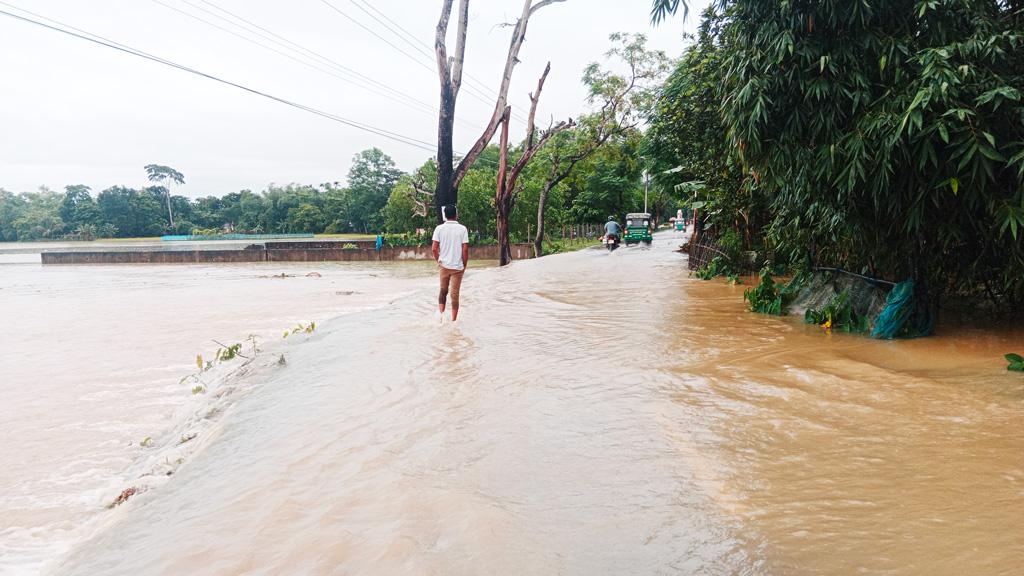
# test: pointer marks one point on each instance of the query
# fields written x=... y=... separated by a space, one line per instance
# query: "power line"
x=396 y=96
x=113 y=44
x=426 y=48
x=378 y=36
x=288 y=44
x=96 y=39
x=420 y=46
x=469 y=89
x=294 y=46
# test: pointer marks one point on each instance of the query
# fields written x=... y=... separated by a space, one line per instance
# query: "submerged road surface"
x=595 y=413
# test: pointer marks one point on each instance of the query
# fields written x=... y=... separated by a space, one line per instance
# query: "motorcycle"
x=611 y=241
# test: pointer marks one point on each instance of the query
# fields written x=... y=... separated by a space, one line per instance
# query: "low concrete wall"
x=258 y=253
x=155 y=257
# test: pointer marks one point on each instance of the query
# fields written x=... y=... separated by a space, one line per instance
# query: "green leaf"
x=917 y=99
x=955 y=185
x=943 y=132
x=991 y=153
x=1015 y=358
x=881 y=63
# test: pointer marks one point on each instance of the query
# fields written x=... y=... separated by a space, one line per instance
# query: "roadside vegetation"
x=882 y=138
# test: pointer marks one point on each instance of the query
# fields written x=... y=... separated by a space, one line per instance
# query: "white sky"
x=72 y=112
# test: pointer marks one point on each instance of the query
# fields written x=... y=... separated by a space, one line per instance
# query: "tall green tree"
x=888 y=136
x=662 y=9
x=621 y=92
x=11 y=208
x=79 y=211
x=133 y=213
x=166 y=176
x=33 y=215
x=370 y=180
x=686 y=148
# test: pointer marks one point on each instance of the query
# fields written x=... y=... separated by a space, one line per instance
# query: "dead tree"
x=507 y=191
x=449 y=176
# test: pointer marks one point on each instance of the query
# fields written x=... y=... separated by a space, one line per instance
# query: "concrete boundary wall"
x=260 y=253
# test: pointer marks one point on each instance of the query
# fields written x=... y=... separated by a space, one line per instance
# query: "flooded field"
x=591 y=413
x=91 y=359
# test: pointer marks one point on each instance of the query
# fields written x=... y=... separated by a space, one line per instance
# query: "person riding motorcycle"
x=612 y=228
x=611 y=233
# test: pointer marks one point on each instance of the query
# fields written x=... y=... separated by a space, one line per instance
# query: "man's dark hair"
x=451 y=211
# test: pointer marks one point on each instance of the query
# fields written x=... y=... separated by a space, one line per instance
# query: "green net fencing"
x=857 y=303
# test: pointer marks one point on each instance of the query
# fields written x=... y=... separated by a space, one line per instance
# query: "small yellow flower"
x=827 y=325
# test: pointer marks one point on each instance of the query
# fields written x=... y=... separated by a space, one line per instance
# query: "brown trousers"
x=451 y=280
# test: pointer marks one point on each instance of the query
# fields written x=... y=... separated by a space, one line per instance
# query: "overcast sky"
x=72 y=112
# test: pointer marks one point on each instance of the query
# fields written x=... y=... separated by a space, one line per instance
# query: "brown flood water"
x=595 y=413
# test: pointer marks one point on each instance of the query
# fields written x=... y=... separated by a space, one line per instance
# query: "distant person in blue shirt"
x=380 y=241
x=612 y=228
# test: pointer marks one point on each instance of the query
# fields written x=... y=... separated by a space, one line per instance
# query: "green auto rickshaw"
x=637 y=229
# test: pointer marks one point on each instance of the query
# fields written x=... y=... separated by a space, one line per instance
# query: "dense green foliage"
x=685 y=145
x=767 y=297
x=717 y=266
x=885 y=137
x=120 y=211
x=888 y=136
x=838 y=315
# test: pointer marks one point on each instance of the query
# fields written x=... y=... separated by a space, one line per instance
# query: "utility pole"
x=647 y=185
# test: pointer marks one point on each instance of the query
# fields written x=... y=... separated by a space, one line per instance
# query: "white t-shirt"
x=451 y=235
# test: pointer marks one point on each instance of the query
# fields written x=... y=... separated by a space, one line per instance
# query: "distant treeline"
x=378 y=198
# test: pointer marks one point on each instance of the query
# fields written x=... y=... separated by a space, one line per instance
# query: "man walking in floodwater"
x=451 y=250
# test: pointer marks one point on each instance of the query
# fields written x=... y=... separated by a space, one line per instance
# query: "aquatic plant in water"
x=767 y=297
x=308 y=329
x=839 y=315
x=718 y=266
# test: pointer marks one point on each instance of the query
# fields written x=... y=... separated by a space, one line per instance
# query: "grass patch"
x=569 y=245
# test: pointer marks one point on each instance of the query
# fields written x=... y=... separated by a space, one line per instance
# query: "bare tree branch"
x=440 y=48
x=516 y=43
x=460 y=48
x=542 y=4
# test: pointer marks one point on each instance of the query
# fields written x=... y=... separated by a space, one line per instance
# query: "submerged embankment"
x=595 y=413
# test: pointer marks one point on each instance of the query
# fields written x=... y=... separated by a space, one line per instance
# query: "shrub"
x=718 y=266
x=767 y=298
x=838 y=314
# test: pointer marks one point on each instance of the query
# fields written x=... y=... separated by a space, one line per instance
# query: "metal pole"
x=647 y=185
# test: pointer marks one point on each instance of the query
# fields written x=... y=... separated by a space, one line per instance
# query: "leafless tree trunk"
x=503 y=199
x=538 y=241
x=507 y=192
x=449 y=176
x=170 y=214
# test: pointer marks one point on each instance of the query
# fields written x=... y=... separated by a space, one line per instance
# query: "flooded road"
x=592 y=413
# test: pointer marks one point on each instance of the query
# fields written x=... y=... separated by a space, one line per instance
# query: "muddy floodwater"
x=591 y=413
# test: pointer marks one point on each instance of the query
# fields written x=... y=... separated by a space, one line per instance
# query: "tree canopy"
x=881 y=137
